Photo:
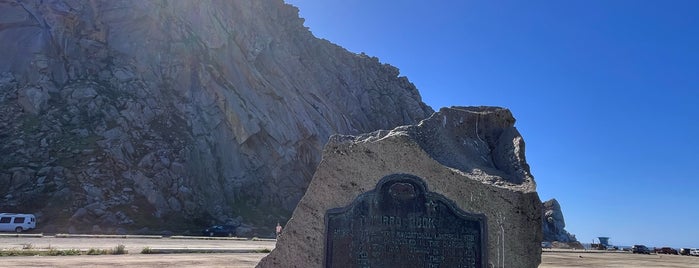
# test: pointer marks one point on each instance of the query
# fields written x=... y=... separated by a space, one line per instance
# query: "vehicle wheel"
x=211 y=233
x=18 y=229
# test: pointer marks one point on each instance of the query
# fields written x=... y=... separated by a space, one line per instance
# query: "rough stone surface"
x=553 y=224
x=204 y=110
x=471 y=155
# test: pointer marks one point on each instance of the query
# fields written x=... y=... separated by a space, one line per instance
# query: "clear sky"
x=605 y=94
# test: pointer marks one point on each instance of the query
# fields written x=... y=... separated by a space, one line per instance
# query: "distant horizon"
x=604 y=93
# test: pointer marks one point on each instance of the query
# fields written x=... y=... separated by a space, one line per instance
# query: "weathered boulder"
x=473 y=156
x=553 y=224
x=33 y=99
x=206 y=110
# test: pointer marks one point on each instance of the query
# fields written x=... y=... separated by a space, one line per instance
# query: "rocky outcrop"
x=473 y=156
x=156 y=113
x=553 y=223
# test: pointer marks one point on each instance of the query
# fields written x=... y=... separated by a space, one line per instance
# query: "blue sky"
x=604 y=93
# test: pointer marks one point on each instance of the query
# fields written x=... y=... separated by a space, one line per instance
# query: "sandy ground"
x=134 y=258
x=242 y=260
x=133 y=245
x=626 y=260
x=550 y=259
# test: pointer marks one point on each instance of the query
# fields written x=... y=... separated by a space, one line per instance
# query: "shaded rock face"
x=134 y=113
x=553 y=223
x=481 y=168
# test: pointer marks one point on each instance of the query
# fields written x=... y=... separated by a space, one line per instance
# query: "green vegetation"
x=264 y=250
x=16 y=252
x=65 y=252
x=94 y=251
x=147 y=250
x=35 y=252
x=119 y=250
x=29 y=250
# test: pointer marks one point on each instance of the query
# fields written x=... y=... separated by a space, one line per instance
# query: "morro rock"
x=554 y=224
x=175 y=114
x=460 y=161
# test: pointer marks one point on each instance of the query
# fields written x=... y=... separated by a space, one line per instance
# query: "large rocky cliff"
x=130 y=114
x=553 y=223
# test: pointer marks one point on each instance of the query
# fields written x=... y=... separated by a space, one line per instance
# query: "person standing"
x=279 y=230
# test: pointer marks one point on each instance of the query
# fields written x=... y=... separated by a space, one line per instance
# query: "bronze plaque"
x=401 y=224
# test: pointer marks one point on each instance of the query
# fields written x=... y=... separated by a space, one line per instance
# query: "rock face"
x=143 y=113
x=553 y=223
x=471 y=155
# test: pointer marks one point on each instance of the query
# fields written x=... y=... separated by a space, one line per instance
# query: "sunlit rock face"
x=472 y=156
x=554 y=224
x=129 y=114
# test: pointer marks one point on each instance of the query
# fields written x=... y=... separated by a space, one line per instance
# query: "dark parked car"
x=220 y=230
x=640 y=249
x=666 y=250
x=684 y=251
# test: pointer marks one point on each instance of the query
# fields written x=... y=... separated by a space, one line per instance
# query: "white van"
x=13 y=222
x=694 y=252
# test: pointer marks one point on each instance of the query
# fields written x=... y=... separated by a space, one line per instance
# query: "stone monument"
x=400 y=224
x=452 y=191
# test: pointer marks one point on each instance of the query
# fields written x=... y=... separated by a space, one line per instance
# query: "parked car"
x=640 y=249
x=220 y=230
x=666 y=250
x=694 y=252
x=13 y=222
x=684 y=251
